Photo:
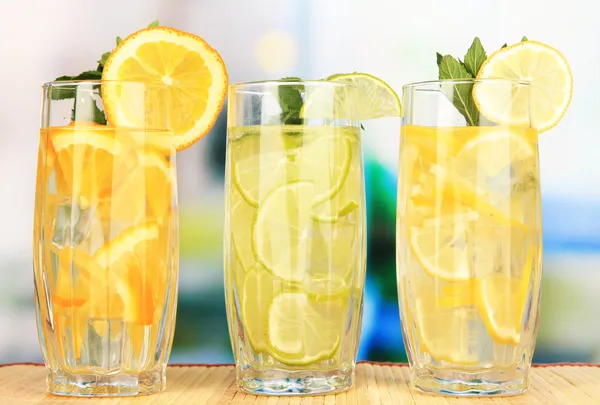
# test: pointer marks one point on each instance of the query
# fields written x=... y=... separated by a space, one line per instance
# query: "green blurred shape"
x=200 y=231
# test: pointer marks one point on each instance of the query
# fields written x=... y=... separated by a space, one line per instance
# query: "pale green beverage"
x=294 y=255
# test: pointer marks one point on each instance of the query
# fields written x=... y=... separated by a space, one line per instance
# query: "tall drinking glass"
x=105 y=239
x=468 y=237
x=294 y=236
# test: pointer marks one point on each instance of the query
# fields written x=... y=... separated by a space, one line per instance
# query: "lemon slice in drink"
x=494 y=150
x=543 y=104
x=502 y=298
x=506 y=162
x=282 y=231
x=303 y=331
x=442 y=245
x=444 y=331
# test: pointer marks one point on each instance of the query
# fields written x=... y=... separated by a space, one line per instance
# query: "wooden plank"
x=376 y=384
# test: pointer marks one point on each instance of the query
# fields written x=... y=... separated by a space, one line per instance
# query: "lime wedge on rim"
x=374 y=97
x=368 y=97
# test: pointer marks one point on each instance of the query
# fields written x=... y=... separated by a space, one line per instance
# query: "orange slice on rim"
x=195 y=72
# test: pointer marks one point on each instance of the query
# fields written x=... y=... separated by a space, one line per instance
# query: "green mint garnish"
x=460 y=95
x=290 y=101
x=524 y=39
x=451 y=68
x=86 y=102
x=475 y=57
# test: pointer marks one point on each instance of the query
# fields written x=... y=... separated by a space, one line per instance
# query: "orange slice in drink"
x=195 y=72
x=145 y=191
x=86 y=157
x=126 y=260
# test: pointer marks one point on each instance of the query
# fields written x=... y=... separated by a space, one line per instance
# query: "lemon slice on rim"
x=195 y=72
x=541 y=105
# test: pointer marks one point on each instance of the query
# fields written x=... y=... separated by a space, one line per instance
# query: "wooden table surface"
x=376 y=383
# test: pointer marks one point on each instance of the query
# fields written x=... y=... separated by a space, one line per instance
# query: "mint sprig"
x=87 y=99
x=451 y=68
x=290 y=101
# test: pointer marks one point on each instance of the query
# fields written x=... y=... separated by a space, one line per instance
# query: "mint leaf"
x=153 y=24
x=504 y=46
x=102 y=61
x=290 y=101
x=475 y=57
x=461 y=94
x=66 y=92
x=119 y=40
x=438 y=57
x=524 y=39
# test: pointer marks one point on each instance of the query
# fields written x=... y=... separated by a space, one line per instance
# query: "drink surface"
x=105 y=270
x=469 y=237
x=294 y=245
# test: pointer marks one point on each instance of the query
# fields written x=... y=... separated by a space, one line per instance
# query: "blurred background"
x=269 y=39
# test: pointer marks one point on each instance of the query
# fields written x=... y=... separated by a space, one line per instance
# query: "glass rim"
x=60 y=83
x=416 y=85
x=280 y=83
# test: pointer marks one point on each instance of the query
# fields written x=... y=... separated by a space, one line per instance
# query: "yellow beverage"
x=105 y=263
x=294 y=254
x=469 y=251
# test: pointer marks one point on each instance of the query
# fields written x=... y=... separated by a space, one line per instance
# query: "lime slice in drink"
x=260 y=161
x=260 y=287
x=303 y=331
x=265 y=160
x=282 y=231
x=325 y=161
x=332 y=250
x=240 y=223
x=323 y=286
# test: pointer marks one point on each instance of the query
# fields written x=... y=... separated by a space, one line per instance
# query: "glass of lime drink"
x=294 y=236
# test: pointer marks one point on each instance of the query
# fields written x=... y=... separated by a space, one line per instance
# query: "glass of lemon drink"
x=469 y=225
x=294 y=236
x=105 y=239
x=469 y=241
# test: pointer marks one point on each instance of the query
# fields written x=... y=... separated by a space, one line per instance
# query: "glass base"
x=463 y=383
x=296 y=383
x=107 y=385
